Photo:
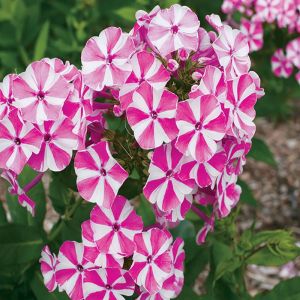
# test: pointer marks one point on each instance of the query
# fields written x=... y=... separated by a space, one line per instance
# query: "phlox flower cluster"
x=116 y=258
x=185 y=97
x=282 y=13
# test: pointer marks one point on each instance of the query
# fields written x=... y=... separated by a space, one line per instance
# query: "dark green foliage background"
x=32 y=29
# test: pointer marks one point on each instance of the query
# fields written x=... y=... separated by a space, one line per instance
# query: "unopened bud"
x=197 y=75
x=172 y=65
x=183 y=54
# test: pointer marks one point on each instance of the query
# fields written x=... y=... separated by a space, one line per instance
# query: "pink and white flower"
x=145 y=67
x=105 y=59
x=253 y=30
x=164 y=187
x=281 y=66
x=115 y=228
x=201 y=124
x=151 y=116
x=212 y=83
x=15 y=189
x=18 y=140
x=174 y=28
x=232 y=50
x=206 y=173
x=71 y=268
x=267 y=10
x=6 y=95
x=99 y=176
x=48 y=262
x=228 y=195
x=58 y=142
x=152 y=262
x=68 y=71
x=286 y=13
x=40 y=92
x=293 y=52
x=110 y=284
x=92 y=253
x=241 y=98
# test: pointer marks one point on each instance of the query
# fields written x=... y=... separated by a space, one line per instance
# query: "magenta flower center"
x=149 y=259
x=169 y=173
x=80 y=268
x=116 y=227
x=153 y=115
x=40 y=95
x=108 y=287
x=47 y=137
x=17 y=141
x=10 y=100
x=198 y=126
x=174 y=29
x=109 y=59
x=103 y=172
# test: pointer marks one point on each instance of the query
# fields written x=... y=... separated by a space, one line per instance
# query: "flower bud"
x=172 y=65
x=197 y=75
x=183 y=54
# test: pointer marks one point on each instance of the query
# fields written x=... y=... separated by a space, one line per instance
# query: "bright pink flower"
x=68 y=71
x=232 y=50
x=293 y=52
x=40 y=92
x=115 y=228
x=99 y=176
x=151 y=116
x=241 y=98
x=201 y=124
x=48 y=262
x=58 y=143
x=174 y=28
x=206 y=173
x=71 y=268
x=152 y=262
x=92 y=253
x=164 y=186
x=267 y=10
x=105 y=59
x=15 y=189
x=6 y=95
x=107 y=284
x=145 y=67
x=281 y=66
x=228 y=195
x=212 y=83
x=18 y=140
x=253 y=30
x=143 y=18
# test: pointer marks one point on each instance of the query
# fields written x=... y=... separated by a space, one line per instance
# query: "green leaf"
x=285 y=290
x=261 y=152
x=20 y=244
x=247 y=195
x=18 y=213
x=145 y=210
x=41 y=42
x=59 y=194
x=273 y=248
